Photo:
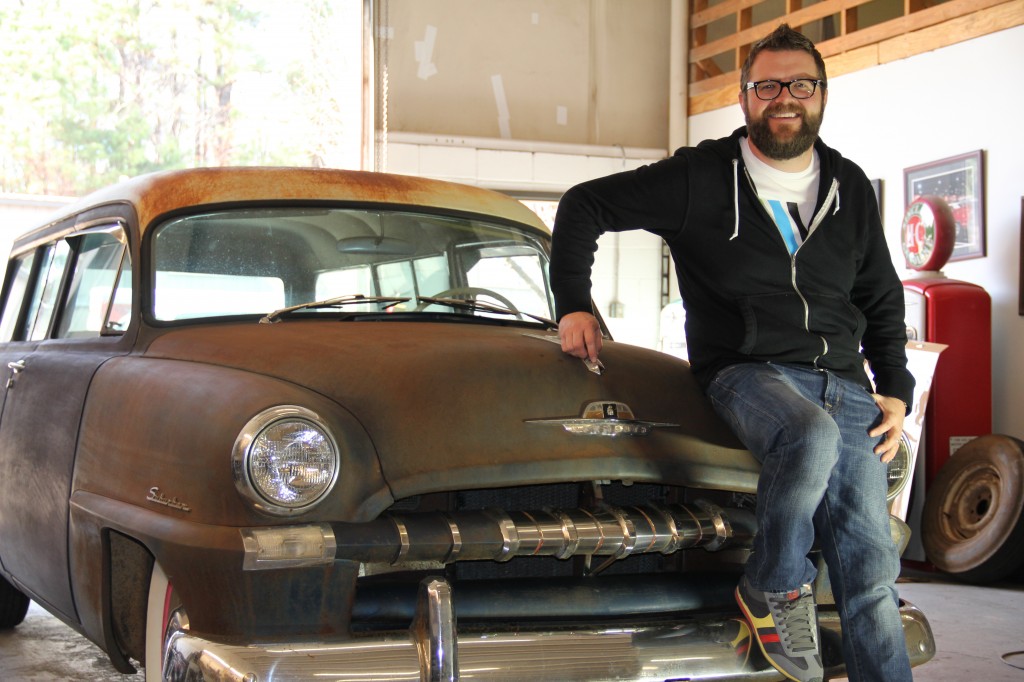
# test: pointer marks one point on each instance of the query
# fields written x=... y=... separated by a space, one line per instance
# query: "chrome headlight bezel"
x=242 y=454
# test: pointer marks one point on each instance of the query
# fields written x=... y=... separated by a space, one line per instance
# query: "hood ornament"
x=609 y=418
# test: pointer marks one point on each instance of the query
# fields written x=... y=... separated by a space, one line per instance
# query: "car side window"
x=19 y=275
x=75 y=287
x=98 y=299
x=43 y=303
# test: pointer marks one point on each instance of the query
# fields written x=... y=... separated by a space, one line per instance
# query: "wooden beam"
x=754 y=33
x=976 y=25
x=722 y=9
x=903 y=25
x=929 y=29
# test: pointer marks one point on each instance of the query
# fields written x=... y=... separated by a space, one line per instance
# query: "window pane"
x=396 y=279
x=432 y=275
x=257 y=260
x=184 y=295
x=44 y=302
x=92 y=285
x=349 y=282
x=20 y=271
x=516 y=272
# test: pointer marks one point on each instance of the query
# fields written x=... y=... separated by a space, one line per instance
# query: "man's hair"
x=783 y=38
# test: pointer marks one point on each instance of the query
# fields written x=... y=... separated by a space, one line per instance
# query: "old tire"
x=972 y=526
x=13 y=605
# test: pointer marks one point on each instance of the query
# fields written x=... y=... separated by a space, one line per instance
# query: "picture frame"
x=960 y=181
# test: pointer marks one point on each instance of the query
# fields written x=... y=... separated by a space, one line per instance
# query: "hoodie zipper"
x=830 y=198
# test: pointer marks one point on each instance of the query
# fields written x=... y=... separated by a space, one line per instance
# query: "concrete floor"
x=979 y=633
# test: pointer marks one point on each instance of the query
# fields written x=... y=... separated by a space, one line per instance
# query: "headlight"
x=898 y=471
x=285 y=460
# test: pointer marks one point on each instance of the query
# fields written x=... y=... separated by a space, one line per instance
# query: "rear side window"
x=18 y=274
x=79 y=286
x=95 y=303
x=43 y=300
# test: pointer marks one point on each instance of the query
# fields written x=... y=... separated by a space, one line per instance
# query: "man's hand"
x=894 y=411
x=581 y=335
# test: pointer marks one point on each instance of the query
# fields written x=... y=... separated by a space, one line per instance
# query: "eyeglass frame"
x=785 y=85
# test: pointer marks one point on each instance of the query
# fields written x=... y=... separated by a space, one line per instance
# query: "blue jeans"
x=820 y=479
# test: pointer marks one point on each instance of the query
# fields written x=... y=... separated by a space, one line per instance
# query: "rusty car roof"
x=157 y=194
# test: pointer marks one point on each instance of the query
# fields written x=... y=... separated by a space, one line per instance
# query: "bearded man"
x=788 y=287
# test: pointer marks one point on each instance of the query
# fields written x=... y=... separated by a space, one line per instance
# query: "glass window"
x=185 y=295
x=432 y=275
x=44 y=301
x=91 y=290
x=357 y=280
x=258 y=260
x=517 y=272
x=18 y=274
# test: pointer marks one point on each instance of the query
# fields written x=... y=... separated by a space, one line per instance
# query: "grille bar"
x=499 y=535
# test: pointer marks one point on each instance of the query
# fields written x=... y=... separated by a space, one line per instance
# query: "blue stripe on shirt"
x=784 y=222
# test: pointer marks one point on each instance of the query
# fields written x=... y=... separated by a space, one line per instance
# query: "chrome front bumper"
x=434 y=649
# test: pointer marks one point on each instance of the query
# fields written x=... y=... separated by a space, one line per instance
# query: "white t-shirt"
x=788 y=197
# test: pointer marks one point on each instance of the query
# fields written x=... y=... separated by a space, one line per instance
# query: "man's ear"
x=743 y=101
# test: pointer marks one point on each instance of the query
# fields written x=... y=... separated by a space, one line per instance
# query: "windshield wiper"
x=483 y=306
x=337 y=302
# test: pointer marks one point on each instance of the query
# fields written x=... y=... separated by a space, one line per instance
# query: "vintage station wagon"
x=283 y=424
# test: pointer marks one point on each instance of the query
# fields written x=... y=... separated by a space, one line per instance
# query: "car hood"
x=453 y=406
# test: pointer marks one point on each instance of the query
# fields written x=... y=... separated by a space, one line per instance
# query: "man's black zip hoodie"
x=837 y=301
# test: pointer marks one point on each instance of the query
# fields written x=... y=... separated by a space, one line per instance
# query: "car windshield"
x=287 y=262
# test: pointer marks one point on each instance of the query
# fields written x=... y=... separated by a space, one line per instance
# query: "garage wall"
x=572 y=71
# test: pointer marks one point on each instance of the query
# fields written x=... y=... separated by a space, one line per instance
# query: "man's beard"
x=773 y=147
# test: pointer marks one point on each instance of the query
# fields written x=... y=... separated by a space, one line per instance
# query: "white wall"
x=939 y=104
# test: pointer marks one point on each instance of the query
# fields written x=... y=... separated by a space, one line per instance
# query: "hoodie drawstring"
x=736 y=197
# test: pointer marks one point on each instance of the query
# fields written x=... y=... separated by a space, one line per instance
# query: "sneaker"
x=785 y=625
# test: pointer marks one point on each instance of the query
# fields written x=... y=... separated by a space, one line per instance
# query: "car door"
x=69 y=322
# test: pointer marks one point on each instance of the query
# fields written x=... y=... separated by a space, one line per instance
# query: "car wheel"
x=162 y=603
x=13 y=605
x=972 y=526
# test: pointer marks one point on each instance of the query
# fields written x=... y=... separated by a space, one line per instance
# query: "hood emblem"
x=609 y=418
x=173 y=502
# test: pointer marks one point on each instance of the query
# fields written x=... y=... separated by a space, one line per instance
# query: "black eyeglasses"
x=801 y=88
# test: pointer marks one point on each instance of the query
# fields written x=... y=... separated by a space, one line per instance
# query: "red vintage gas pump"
x=957 y=314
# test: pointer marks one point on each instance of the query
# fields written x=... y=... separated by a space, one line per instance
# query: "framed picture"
x=959 y=180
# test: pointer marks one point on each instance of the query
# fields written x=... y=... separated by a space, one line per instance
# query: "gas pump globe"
x=928 y=234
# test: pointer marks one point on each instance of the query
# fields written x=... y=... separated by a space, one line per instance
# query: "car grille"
x=555 y=496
